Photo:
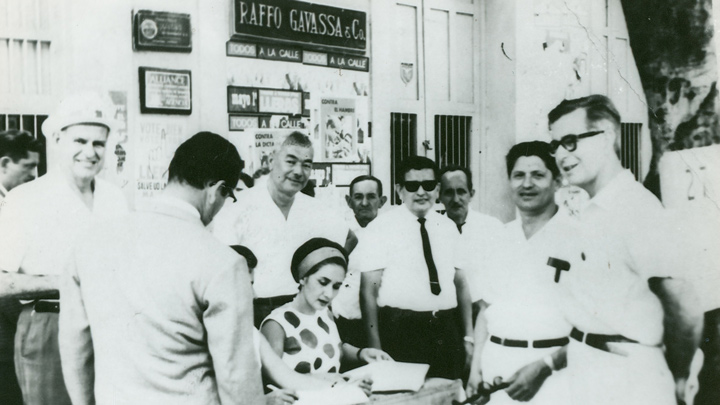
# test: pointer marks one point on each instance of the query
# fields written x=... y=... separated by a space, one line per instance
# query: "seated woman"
x=303 y=332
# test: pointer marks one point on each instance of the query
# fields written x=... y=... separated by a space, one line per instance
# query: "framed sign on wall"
x=165 y=91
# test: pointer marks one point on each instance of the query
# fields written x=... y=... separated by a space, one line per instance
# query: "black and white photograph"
x=345 y=202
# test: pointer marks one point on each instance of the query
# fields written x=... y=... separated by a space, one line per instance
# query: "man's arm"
x=28 y=286
x=75 y=340
x=683 y=322
x=228 y=320
x=481 y=335
x=526 y=382
x=464 y=304
x=369 y=287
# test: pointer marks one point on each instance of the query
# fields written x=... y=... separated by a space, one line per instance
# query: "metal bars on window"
x=403 y=144
x=452 y=140
x=630 y=147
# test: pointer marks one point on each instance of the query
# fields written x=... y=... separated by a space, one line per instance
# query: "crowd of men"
x=103 y=305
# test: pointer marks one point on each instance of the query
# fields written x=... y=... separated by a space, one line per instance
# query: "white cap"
x=81 y=108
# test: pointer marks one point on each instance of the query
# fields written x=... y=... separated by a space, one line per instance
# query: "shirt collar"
x=175 y=207
x=611 y=195
x=3 y=191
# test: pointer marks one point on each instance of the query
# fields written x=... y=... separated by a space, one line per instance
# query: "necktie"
x=460 y=227
x=427 y=251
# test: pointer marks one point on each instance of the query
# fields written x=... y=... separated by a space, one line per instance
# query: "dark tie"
x=460 y=227
x=427 y=251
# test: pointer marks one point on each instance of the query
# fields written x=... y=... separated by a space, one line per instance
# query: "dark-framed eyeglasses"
x=569 y=142
x=427 y=185
x=226 y=192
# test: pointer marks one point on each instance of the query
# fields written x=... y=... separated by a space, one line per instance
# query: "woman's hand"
x=364 y=383
x=280 y=397
x=369 y=355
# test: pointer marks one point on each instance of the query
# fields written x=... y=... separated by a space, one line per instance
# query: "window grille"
x=630 y=147
x=452 y=140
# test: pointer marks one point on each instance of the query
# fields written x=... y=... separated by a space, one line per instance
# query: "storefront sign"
x=242 y=122
x=360 y=63
x=242 y=99
x=164 y=91
x=280 y=102
x=300 y=22
x=241 y=49
x=315 y=58
x=283 y=53
x=161 y=31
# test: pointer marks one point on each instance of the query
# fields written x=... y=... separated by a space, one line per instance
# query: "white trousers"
x=599 y=377
x=503 y=361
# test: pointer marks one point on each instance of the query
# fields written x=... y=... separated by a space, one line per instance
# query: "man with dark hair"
x=520 y=327
x=155 y=309
x=631 y=226
x=39 y=223
x=19 y=157
x=412 y=293
x=478 y=231
x=365 y=197
x=275 y=219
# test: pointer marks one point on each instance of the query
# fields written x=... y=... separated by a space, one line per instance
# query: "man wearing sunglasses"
x=155 y=309
x=412 y=293
x=628 y=222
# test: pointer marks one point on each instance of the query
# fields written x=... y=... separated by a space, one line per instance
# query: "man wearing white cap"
x=39 y=222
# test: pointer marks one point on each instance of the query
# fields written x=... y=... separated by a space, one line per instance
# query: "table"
x=435 y=391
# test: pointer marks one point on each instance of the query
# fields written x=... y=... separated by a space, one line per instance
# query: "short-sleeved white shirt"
x=256 y=221
x=477 y=242
x=393 y=244
x=347 y=302
x=40 y=221
x=520 y=287
x=631 y=226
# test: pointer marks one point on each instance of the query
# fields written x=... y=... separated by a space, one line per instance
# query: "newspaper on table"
x=392 y=375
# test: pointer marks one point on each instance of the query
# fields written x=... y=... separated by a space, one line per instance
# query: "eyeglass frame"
x=415 y=185
x=228 y=190
x=555 y=144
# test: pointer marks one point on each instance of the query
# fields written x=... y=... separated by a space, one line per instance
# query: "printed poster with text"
x=255 y=146
x=154 y=148
x=338 y=121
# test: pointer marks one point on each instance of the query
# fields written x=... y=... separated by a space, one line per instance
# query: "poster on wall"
x=338 y=122
x=154 y=148
x=115 y=169
x=256 y=145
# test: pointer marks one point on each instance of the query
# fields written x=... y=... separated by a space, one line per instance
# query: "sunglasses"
x=427 y=185
x=569 y=142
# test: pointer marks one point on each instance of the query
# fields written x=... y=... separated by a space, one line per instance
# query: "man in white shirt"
x=521 y=328
x=155 y=309
x=628 y=222
x=40 y=221
x=365 y=197
x=19 y=157
x=479 y=232
x=415 y=301
x=275 y=219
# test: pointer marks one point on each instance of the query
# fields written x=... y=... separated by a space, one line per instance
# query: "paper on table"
x=344 y=394
x=392 y=375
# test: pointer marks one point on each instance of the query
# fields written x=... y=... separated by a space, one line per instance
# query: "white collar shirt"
x=520 y=287
x=3 y=192
x=256 y=222
x=393 y=244
x=347 y=301
x=40 y=221
x=478 y=240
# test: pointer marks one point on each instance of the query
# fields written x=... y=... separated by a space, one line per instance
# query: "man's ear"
x=5 y=161
x=398 y=188
x=56 y=136
x=383 y=200
x=347 y=200
x=472 y=193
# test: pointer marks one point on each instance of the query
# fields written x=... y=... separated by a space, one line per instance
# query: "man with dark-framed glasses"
x=412 y=293
x=628 y=222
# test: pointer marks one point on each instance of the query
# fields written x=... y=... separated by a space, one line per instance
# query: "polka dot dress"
x=312 y=343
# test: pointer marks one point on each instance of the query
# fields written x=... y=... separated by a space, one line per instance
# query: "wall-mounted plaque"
x=162 y=31
x=242 y=99
x=299 y=22
x=164 y=91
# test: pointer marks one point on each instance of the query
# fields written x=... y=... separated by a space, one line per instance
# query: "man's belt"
x=537 y=344
x=47 y=306
x=598 y=341
x=408 y=313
